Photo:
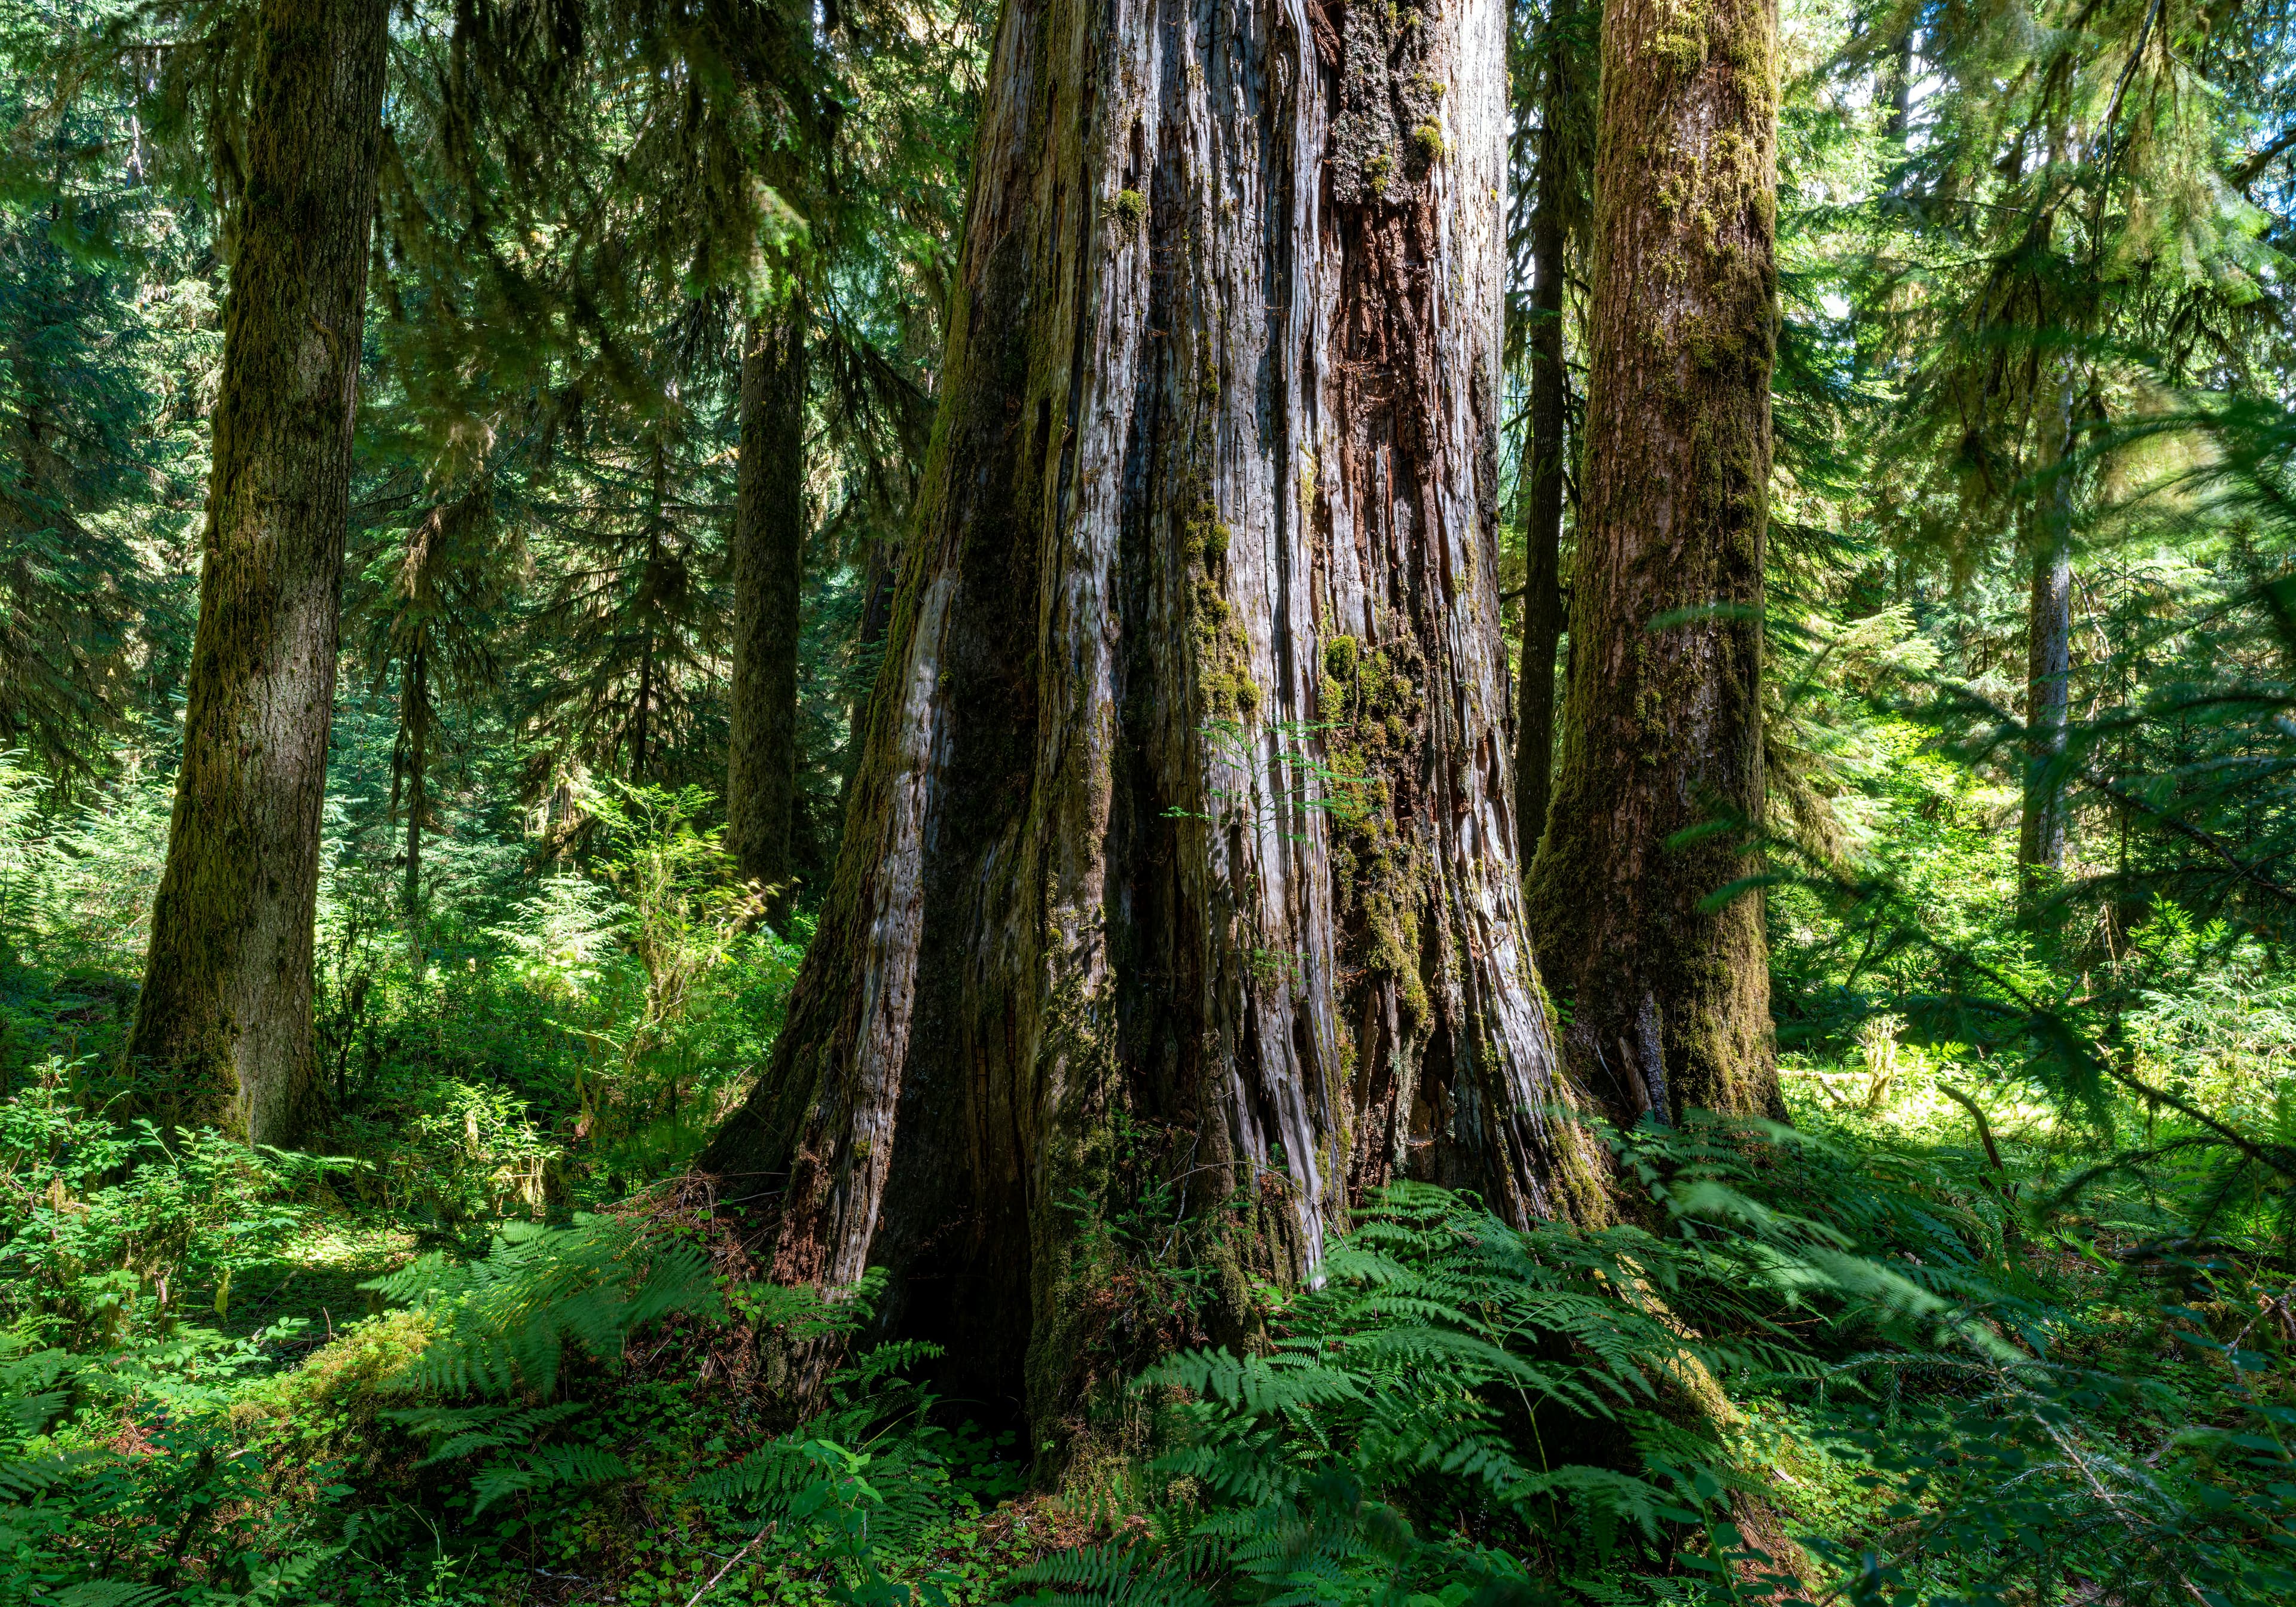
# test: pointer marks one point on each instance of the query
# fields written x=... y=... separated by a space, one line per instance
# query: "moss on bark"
x=223 y=1028
x=1662 y=722
x=1211 y=460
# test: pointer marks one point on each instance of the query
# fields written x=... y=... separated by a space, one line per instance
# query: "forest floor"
x=972 y=1520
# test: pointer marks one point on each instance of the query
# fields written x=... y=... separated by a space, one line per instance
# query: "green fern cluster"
x=862 y=1478
x=1466 y=1411
x=1452 y=1374
x=504 y=1321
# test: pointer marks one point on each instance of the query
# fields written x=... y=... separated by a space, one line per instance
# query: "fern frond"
x=109 y=1592
x=550 y=1468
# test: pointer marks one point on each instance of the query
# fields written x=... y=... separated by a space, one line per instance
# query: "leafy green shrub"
x=113 y=1232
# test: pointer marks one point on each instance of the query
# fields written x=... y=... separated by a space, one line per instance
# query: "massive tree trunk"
x=1669 y=999
x=223 y=1030
x=769 y=584
x=1543 y=467
x=2048 y=650
x=1209 y=520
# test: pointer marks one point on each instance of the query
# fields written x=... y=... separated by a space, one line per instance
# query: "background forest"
x=656 y=306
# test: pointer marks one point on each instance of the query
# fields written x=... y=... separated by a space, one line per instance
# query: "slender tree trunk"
x=223 y=1030
x=1542 y=604
x=414 y=719
x=1663 y=719
x=769 y=584
x=2048 y=653
x=1212 y=493
x=644 y=708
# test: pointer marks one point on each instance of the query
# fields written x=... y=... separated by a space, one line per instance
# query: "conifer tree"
x=1669 y=995
x=223 y=1028
x=1185 y=798
x=769 y=533
x=2059 y=206
x=1557 y=74
x=432 y=592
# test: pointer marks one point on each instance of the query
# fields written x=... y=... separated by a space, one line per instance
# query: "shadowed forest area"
x=916 y=802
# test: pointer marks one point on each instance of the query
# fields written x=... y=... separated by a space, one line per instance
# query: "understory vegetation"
x=1983 y=1327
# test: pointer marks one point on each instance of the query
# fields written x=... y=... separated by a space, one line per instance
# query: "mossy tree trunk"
x=1663 y=717
x=223 y=1029
x=1208 y=521
x=768 y=586
x=1543 y=467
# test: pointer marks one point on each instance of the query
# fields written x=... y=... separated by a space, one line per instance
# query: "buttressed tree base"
x=1184 y=813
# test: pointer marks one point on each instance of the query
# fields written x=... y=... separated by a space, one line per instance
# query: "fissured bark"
x=223 y=1029
x=1184 y=824
x=1670 y=993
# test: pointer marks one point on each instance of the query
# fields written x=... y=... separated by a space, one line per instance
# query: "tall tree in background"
x=2069 y=199
x=1664 y=718
x=2048 y=522
x=1185 y=794
x=430 y=595
x=1557 y=71
x=223 y=1028
x=769 y=530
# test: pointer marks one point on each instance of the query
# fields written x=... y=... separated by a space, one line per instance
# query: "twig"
x=1984 y=1128
x=730 y=1562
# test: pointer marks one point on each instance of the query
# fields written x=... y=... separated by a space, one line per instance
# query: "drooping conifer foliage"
x=911 y=802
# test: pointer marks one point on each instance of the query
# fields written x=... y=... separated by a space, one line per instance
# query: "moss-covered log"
x=223 y=1029
x=1205 y=546
x=1663 y=727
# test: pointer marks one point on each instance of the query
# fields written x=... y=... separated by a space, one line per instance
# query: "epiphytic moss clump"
x=1206 y=538
x=1372 y=702
x=1223 y=662
x=1388 y=85
x=1131 y=209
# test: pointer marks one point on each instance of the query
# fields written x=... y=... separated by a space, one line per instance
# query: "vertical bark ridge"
x=223 y=1028
x=1216 y=454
